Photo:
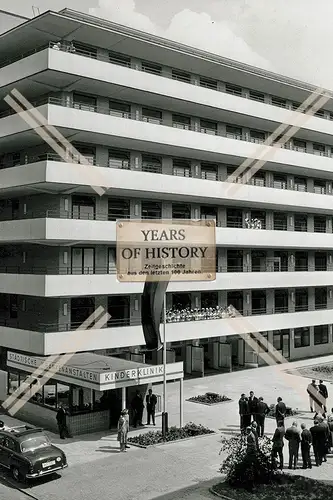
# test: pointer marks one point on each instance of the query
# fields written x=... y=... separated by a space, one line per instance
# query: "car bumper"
x=45 y=472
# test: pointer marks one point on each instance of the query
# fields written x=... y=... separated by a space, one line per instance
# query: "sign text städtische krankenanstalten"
x=175 y=250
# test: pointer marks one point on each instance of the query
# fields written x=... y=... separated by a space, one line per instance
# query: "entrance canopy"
x=97 y=372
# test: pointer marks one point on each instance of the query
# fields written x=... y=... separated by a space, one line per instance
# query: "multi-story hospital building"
x=163 y=126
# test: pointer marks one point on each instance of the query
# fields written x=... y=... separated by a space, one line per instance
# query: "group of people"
x=179 y=315
x=253 y=411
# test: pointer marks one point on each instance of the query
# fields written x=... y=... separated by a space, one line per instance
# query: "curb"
x=219 y=495
x=171 y=442
x=209 y=404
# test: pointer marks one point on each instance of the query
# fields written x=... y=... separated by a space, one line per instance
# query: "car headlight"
x=58 y=459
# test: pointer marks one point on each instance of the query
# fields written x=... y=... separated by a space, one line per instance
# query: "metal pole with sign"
x=159 y=251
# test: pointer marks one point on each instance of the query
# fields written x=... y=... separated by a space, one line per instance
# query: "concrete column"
x=102 y=207
x=136 y=64
x=247 y=306
x=196 y=300
x=195 y=211
x=181 y=405
x=195 y=80
x=222 y=259
x=329 y=261
x=330 y=340
x=102 y=156
x=135 y=209
x=167 y=166
x=310 y=185
x=311 y=299
x=310 y=224
x=167 y=118
x=166 y=72
x=270 y=301
x=195 y=124
x=135 y=160
x=329 y=228
x=291 y=222
x=123 y=398
x=330 y=298
x=221 y=86
x=222 y=216
x=247 y=264
x=269 y=220
x=135 y=309
x=291 y=262
x=166 y=210
x=222 y=172
x=221 y=129
x=311 y=261
x=222 y=298
x=195 y=168
x=269 y=179
x=291 y=300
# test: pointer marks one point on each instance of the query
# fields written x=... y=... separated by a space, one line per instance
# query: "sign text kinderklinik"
x=176 y=250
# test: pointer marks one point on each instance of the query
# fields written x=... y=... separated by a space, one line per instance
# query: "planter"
x=210 y=399
x=163 y=443
x=323 y=371
x=288 y=487
x=290 y=412
x=175 y=434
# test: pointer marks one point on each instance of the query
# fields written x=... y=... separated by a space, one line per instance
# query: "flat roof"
x=72 y=25
x=93 y=370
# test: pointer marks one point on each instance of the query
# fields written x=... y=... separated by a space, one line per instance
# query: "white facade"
x=163 y=126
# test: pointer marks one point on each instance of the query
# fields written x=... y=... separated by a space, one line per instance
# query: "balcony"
x=48 y=338
x=67 y=281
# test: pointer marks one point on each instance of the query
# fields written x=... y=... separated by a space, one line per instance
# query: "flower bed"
x=283 y=486
x=174 y=434
x=290 y=412
x=210 y=398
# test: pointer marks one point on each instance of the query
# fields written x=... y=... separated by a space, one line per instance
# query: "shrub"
x=290 y=412
x=174 y=433
x=209 y=398
x=244 y=470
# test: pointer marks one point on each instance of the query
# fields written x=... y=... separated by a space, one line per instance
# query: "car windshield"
x=34 y=442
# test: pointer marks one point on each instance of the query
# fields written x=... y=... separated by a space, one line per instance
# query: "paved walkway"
x=157 y=472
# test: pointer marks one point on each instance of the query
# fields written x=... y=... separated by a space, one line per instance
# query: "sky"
x=292 y=37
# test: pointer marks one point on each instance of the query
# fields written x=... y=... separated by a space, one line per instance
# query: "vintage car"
x=29 y=454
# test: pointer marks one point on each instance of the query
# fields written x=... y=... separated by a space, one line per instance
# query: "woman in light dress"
x=123 y=428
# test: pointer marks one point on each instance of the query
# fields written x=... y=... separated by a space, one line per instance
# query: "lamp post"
x=164 y=413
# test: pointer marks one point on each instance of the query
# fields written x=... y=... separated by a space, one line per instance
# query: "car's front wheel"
x=17 y=474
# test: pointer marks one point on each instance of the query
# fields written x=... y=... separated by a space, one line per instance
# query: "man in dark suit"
x=137 y=407
x=151 y=401
x=61 y=417
x=253 y=403
x=323 y=425
x=318 y=442
x=306 y=441
x=262 y=411
x=280 y=411
x=244 y=415
x=324 y=393
x=294 y=438
x=278 y=444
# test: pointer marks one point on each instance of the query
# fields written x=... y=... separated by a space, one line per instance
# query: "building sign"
x=135 y=374
x=70 y=371
x=163 y=250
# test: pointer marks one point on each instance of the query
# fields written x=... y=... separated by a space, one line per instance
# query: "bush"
x=173 y=434
x=209 y=398
x=244 y=470
x=289 y=412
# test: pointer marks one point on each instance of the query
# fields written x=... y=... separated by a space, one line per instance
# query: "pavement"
x=176 y=470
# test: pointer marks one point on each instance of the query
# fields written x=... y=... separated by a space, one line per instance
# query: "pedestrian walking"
x=253 y=403
x=151 y=401
x=61 y=417
x=244 y=413
x=318 y=442
x=324 y=394
x=137 y=407
x=123 y=428
x=293 y=437
x=278 y=444
x=262 y=411
x=280 y=411
x=306 y=441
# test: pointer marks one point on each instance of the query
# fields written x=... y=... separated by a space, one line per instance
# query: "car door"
x=3 y=451
x=8 y=449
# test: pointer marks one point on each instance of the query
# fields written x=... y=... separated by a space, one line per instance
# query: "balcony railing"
x=173 y=316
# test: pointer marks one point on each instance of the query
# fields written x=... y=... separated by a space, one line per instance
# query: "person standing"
x=293 y=437
x=278 y=444
x=280 y=411
x=323 y=425
x=253 y=402
x=312 y=390
x=330 y=428
x=151 y=401
x=254 y=428
x=318 y=442
x=251 y=445
x=244 y=414
x=62 y=422
x=137 y=407
x=324 y=394
x=262 y=411
x=123 y=428
x=306 y=441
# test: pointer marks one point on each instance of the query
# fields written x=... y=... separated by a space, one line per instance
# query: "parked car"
x=29 y=454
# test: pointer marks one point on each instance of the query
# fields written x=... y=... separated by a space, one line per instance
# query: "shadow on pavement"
x=7 y=480
x=198 y=491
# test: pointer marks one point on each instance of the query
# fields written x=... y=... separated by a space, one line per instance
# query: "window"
x=300 y=223
x=280 y=221
x=302 y=337
x=281 y=301
x=279 y=181
x=319 y=186
x=319 y=224
x=181 y=168
x=83 y=260
x=319 y=149
x=299 y=145
x=257 y=136
x=119 y=159
x=83 y=207
x=257 y=96
x=301 y=261
x=208 y=83
x=301 y=299
x=84 y=102
x=235 y=261
x=208 y=127
x=85 y=50
x=320 y=298
x=121 y=109
x=119 y=59
x=87 y=153
x=152 y=115
x=320 y=334
x=181 y=76
x=181 y=121
x=277 y=101
x=300 y=184
x=258 y=179
x=118 y=209
x=233 y=132
x=233 y=89
x=209 y=212
x=149 y=67
x=209 y=171
x=320 y=113
x=151 y=164
x=234 y=217
x=180 y=211
x=13 y=306
x=151 y=210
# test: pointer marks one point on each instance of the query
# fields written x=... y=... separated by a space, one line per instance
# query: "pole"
x=164 y=414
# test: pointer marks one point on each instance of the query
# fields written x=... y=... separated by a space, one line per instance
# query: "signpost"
x=166 y=250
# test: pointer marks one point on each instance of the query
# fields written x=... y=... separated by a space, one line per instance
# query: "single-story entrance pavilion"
x=94 y=388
